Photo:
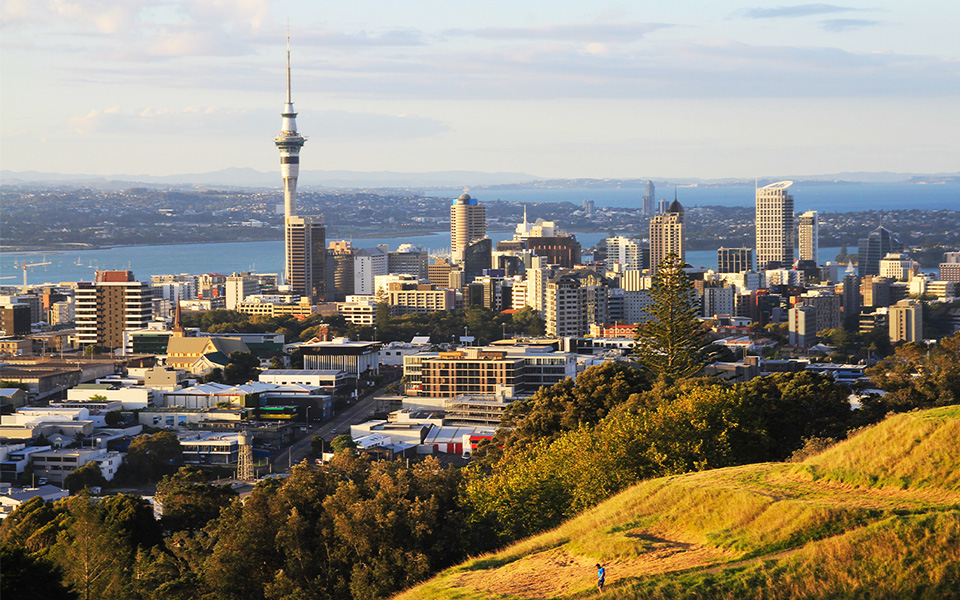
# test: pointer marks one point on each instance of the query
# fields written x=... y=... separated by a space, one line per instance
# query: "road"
x=355 y=413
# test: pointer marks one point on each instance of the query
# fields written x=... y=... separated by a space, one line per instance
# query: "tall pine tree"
x=672 y=343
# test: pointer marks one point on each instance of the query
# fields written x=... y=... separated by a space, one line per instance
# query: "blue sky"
x=554 y=89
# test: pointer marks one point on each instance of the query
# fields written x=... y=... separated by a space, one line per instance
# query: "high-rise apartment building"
x=304 y=237
x=950 y=267
x=828 y=314
x=623 y=252
x=905 y=320
x=367 y=264
x=871 y=250
x=809 y=236
x=238 y=287
x=468 y=223
x=802 y=325
x=666 y=235
x=566 y=307
x=734 y=260
x=408 y=259
x=108 y=306
x=774 y=223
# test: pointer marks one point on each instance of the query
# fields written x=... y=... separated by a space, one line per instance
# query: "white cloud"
x=227 y=122
x=608 y=32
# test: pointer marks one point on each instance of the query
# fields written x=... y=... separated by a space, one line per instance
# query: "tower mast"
x=289 y=142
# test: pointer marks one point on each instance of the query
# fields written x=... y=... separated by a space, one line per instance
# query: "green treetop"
x=672 y=343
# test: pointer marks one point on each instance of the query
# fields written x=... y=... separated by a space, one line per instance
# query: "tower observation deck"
x=289 y=143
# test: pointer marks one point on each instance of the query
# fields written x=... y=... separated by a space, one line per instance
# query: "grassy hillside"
x=877 y=516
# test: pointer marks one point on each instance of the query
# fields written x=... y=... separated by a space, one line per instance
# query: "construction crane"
x=25 y=266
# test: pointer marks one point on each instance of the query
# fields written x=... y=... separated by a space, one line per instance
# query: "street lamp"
x=504 y=327
x=465 y=341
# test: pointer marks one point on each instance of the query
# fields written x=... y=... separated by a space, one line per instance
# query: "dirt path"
x=559 y=572
x=556 y=572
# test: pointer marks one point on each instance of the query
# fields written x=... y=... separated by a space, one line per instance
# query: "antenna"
x=289 y=101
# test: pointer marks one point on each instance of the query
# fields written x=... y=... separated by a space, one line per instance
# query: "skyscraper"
x=851 y=299
x=306 y=257
x=809 y=236
x=304 y=237
x=666 y=235
x=647 y=207
x=774 y=222
x=468 y=223
x=873 y=248
x=113 y=303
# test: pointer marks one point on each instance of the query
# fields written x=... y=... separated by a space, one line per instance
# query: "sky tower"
x=289 y=143
x=304 y=237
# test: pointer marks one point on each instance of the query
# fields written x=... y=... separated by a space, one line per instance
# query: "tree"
x=672 y=343
x=917 y=377
x=189 y=502
x=91 y=552
x=89 y=475
x=243 y=367
x=151 y=456
x=92 y=350
x=527 y=321
x=214 y=376
x=28 y=577
x=343 y=442
x=568 y=405
x=113 y=418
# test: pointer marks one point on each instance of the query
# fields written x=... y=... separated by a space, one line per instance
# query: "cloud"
x=189 y=39
x=599 y=32
x=789 y=12
x=227 y=122
x=340 y=39
x=845 y=24
x=349 y=125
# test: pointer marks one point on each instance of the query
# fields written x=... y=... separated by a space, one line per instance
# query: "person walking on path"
x=601 y=573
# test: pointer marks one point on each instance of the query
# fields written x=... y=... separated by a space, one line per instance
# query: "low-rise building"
x=11 y=501
x=341 y=354
x=210 y=448
x=128 y=398
x=55 y=465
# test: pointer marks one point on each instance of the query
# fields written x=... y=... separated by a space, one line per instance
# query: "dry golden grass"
x=881 y=509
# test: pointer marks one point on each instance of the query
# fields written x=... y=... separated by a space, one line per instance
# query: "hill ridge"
x=890 y=488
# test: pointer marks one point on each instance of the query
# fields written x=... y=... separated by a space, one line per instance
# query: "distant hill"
x=450 y=180
x=876 y=516
x=251 y=178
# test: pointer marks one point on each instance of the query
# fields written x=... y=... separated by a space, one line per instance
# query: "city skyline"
x=552 y=90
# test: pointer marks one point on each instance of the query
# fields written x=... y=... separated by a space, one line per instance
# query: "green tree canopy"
x=568 y=404
x=343 y=442
x=149 y=457
x=243 y=367
x=672 y=343
x=30 y=577
x=89 y=475
x=918 y=377
x=189 y=501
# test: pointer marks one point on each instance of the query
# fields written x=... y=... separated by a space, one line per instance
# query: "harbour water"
x=267 y=257
x=229 y=257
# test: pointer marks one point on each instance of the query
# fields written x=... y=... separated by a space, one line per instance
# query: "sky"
x=553 y=88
